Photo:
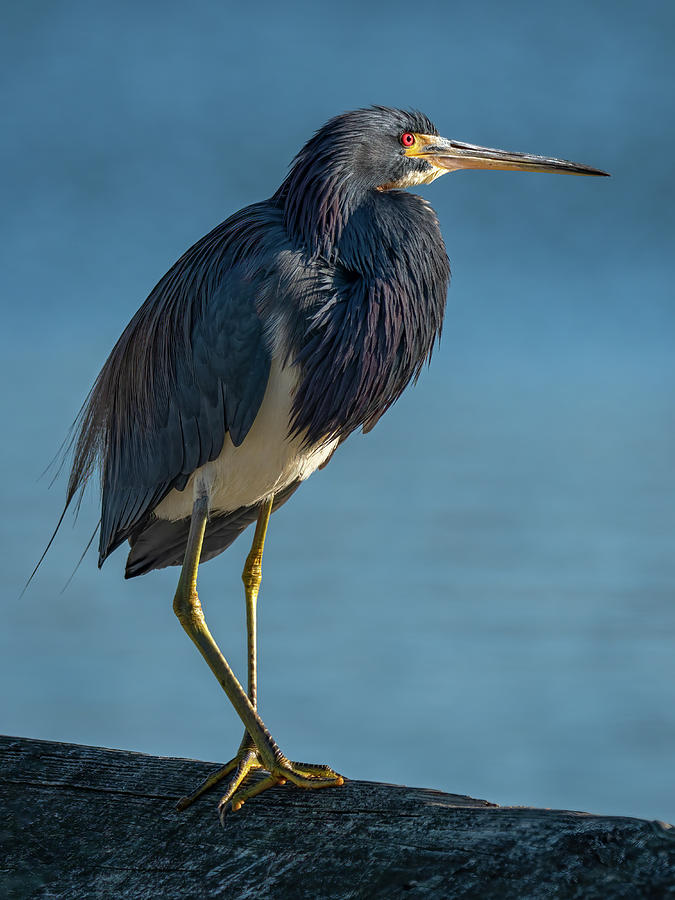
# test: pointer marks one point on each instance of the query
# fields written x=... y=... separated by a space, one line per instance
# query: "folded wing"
x=191 y=366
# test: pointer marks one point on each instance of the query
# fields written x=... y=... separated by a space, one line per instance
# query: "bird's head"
x=380 y=148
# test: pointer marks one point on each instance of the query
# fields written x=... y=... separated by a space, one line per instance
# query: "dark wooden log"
x=83 y=822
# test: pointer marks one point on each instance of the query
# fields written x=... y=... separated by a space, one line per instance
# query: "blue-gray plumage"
x=293 y=323
x=351 y=281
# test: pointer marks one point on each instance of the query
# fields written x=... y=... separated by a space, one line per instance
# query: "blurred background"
x=480 y=595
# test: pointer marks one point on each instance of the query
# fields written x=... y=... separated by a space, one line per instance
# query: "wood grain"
x=83 y=822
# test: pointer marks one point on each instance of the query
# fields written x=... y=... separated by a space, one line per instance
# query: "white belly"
x=265 y=463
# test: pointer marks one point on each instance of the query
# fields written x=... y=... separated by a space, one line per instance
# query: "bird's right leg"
x=258 y=750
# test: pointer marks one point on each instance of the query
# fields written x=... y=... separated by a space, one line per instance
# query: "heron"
x=295 y=322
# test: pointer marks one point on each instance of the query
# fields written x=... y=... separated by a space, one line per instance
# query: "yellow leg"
x=252 y=576
x=258 y=751
x=188 y=608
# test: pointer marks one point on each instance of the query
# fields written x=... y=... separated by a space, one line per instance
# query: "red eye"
x=407 y=139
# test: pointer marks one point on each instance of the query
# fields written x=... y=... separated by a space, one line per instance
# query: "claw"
x=247 y=762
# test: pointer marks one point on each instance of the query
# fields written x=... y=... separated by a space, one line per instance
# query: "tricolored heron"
x=296 y=321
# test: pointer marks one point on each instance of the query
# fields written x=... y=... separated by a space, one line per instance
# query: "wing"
x=191 y=366
x=216 y=384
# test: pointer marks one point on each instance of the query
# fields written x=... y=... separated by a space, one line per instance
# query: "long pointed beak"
x=452 y=155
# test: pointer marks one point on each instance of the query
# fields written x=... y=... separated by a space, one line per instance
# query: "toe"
x=206 y=785
x=238 y=799
x=307 y=779
x=315 y=769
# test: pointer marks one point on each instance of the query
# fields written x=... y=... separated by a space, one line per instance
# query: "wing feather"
x=191 y=366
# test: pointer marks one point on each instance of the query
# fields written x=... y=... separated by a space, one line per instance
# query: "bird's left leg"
x=258 y=751
x=251 y=576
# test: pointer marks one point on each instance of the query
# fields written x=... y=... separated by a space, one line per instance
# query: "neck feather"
x=317 y=198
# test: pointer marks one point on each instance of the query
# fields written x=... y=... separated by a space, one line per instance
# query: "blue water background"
x=479 y=596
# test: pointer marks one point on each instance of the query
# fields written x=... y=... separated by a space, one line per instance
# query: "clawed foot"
x=248 y=762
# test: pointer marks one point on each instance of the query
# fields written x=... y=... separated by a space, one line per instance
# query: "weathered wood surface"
x=82 y=822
